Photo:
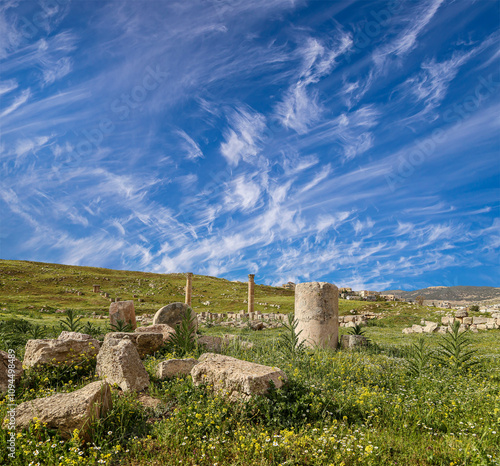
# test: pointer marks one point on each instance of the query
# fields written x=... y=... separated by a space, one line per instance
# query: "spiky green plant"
x=417 y=358
x=71 y=322
x=121 y=326
x=455 y=350
x=289 y=343
x=37 y=332
x=356 y=330
x=183 y=340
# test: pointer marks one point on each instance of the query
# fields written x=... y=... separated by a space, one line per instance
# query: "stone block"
x=237 y=378
x=175 y=367
x=123 y=311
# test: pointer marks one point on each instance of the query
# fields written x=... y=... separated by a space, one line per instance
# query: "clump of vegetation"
x=121 y=326
x=455 y=350
x=289 y=344
x=183 y=340
x=71 y=322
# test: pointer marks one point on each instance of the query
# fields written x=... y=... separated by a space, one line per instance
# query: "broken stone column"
x=189 y=286
x=251 y=285
x=124 y=311
x=96 y=288
x=317 y=310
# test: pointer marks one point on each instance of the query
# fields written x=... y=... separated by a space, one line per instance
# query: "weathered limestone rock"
x=176 y=367
x=407 y=330
x=64 y=350
x=240 y=379
x=122 y=311
x=461 y=313
x=467 y=320
x=351 y=341
x=65 y=335
x=445 y=320
x=118 y=362
x=479 y=320
x=212 y=343
x=430 y=327
x=67 y=411
x=9 y=366
x=145 y=343
x=172 y=314
x=417 y=328
x=317 y=310
x=163 y=329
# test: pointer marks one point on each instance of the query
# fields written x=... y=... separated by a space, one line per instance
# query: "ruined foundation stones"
x=240 y=379
x=316 y=310
x=118 y=362
x=145 y=342
x=163 y=329
x=9 y=364
x=123 y=311
x=68 y=348
x=172 y=315
x=67 y=411
x=175 y=367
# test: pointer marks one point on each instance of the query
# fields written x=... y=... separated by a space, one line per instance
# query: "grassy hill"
x=465 y=294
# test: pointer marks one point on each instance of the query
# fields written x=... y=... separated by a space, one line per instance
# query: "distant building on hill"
x=289 y=286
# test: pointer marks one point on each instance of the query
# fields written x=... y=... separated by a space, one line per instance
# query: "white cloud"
x=243 y=138
x=191 y=149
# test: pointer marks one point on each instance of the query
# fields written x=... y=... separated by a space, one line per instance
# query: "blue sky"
x=352 y=142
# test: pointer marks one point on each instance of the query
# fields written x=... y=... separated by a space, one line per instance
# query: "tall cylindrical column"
x=317 y=311
x=251 y=286
x=189 y=286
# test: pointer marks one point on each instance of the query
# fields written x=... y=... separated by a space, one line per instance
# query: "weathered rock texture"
x=67 y=411
x=163 y=329
x=122 y=311
x=317 y=310
x=9 y=366
x=65 y=350
x=176 y=367
x=240 y=379
x=118 y=362
x=351 y=341
x=172 y=314
x=145 y=342
x=65 y=335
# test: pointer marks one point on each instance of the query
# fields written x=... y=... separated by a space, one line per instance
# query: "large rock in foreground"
x=145 y=343
x=62 y=350
x=67 y=411
x=10 y=369
x=240 y=379
x=172 y=315
x=123 y=311
x=118 y=362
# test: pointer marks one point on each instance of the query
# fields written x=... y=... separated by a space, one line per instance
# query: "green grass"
x=338 y=408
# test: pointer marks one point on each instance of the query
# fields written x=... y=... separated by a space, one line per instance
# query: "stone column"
x=317 y=310
x=251 y=285
x=189 y=285
x=96 y=288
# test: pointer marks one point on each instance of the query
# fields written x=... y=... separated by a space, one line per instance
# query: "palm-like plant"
x=418 y=357
x=289 y=343
x=71 y=322
x=121 y=326
x=183 y=340
x=455 y=350
x=357 y=330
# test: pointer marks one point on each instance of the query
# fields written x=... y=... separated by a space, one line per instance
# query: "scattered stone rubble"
x=472 y=323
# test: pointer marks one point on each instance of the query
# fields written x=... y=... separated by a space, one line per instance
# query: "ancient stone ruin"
x=123 y=311
x=316 y=310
